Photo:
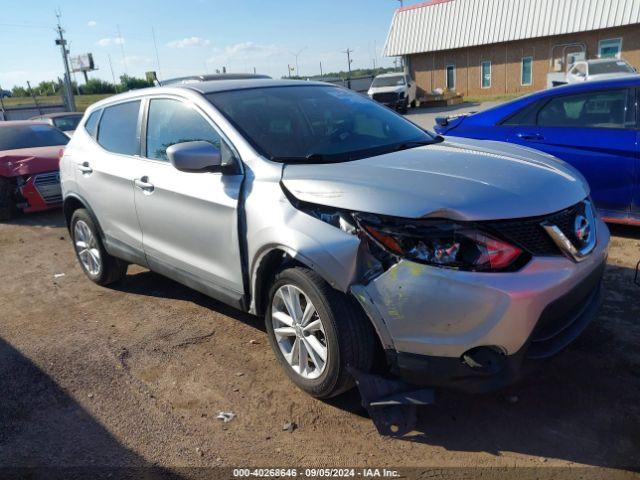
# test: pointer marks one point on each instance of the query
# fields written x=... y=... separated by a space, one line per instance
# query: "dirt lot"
x=135 y=375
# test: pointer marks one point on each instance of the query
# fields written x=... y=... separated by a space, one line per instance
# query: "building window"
x=451 y=77
x=526 y=77
x=610 y=48
x=486 y=74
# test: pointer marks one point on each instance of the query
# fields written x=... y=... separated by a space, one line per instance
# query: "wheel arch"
x=74 y=202
x=267 y=264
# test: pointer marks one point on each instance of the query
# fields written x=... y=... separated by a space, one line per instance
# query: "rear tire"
x=344 y=332
x=8 y=208
x=96 y=263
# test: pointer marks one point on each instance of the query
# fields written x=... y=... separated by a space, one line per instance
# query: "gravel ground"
x=134 y=376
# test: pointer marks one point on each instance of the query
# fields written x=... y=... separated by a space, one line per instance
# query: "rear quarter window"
x=118 y=129
x=91 y=125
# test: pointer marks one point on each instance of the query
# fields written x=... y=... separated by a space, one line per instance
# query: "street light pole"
x=297 y=55
x=348 y=51
x=69 y=100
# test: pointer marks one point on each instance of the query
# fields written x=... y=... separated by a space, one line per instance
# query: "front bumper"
x=396 y=102
x=428 y=318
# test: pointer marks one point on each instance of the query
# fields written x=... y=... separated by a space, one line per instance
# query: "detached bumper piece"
x=391 y=404
x=484 y=369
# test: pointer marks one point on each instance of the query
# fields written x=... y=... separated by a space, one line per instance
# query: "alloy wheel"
x=87 y=248
x=299 y=332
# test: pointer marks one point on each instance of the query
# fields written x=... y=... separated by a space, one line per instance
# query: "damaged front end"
x=400 y=249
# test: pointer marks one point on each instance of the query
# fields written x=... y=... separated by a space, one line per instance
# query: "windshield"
x=67 y=124
x=610 y=67
x=388 y=81
x=14 y=137
x=316 y=123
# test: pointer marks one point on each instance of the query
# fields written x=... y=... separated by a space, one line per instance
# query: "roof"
x=218 y=76
x=14 y=123
x=447 y=24
x=604 y=60
x=201 y=88
x=393 y=74
x=57 y=115
x=226 y=85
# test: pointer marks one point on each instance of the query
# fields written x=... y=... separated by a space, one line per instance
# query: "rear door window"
x=604 y=109
x=118 y=130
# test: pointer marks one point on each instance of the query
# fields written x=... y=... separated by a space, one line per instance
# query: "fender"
x=294 y=255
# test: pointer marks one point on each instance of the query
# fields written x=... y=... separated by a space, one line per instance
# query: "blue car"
x=593 y=126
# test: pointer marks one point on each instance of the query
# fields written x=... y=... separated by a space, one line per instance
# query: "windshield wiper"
x=310 y=158
x=417 y=143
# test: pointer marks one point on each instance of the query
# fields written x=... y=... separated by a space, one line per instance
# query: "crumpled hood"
x=29 y=161
x=461 y=180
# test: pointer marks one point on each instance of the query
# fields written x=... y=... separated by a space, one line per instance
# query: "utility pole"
x=321 y=74
x=69 y=100
x=348 y=51
x=401 y=3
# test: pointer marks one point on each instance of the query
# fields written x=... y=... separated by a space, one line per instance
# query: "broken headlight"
x=440 y=243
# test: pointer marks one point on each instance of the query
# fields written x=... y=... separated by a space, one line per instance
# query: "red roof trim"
x=423 y=4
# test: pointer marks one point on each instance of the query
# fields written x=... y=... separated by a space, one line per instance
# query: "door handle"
x=529 y=136
x=143 y=184
x=85 y=168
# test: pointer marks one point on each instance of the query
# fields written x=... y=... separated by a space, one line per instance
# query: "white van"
x=395 y=90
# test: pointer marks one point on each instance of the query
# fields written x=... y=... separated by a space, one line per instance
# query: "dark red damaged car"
x=29 y=167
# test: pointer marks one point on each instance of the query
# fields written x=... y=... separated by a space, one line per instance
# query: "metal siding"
x=465 y=23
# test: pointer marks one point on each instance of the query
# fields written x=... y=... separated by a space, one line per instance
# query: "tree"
x=133 y=83
x=96 y=85
x=19 y=91
x=46 y=88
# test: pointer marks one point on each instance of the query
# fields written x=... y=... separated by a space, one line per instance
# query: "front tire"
x=317 y=333
x=96 y=263
x=8 y=207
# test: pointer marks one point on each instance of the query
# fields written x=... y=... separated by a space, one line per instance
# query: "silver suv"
x=362 y=239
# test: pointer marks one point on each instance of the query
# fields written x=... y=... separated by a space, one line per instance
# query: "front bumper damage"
x=40 y=192
x=478 y=332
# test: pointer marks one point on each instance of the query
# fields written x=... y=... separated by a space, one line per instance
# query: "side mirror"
x=194 y=156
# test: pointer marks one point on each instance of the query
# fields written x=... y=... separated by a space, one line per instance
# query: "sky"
x=193 y=36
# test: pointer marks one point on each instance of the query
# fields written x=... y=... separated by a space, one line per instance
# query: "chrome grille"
x=385 y=97
x=48 y=186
